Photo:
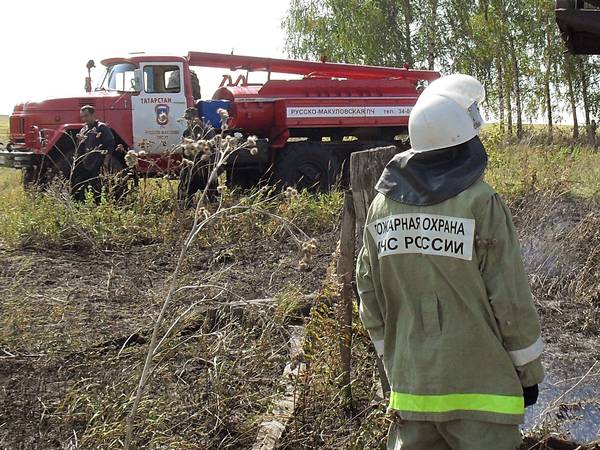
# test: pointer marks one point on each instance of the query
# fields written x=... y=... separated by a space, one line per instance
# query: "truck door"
x=158 y=109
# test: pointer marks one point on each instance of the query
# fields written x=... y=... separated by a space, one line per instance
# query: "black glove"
x=530 y=395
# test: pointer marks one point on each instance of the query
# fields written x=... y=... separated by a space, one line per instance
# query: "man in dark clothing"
x=95 y=140
x=193 y=177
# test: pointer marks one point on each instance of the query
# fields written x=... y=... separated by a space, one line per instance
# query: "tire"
x=306 y=165
x=244 y=179
x=30 y=178
x=344 y=151
x=194 y=179
x=54 y=165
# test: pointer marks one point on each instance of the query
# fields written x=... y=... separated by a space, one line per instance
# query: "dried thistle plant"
x=216 y=152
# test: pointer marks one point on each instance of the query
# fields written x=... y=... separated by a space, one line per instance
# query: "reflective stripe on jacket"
x=446 y=301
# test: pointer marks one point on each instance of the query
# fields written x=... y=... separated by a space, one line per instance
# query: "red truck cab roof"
x=143 y=57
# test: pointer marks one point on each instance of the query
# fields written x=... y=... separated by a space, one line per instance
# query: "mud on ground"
x=560 y=238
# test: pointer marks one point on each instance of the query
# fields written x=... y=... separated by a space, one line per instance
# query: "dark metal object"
x=579 y=26
x=18 y=159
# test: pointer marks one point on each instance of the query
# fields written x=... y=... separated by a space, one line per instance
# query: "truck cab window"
x=118 y=77
x=162 y=79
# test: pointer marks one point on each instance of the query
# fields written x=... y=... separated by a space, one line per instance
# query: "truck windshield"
x=118 y=77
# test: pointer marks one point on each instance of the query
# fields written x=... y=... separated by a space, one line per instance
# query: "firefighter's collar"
x=429 y=178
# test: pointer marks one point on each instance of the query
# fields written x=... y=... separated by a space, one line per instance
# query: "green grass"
x=516 y=168
x=53 y=220
x=3 y=128
x=151 y=214
x=513 y=171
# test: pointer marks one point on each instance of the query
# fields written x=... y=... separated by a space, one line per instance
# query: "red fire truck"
x=307 y=127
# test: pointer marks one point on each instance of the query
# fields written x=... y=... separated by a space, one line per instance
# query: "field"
x=3 y=128
x=81 y=286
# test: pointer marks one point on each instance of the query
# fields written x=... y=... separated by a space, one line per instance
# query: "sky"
x=46 y=44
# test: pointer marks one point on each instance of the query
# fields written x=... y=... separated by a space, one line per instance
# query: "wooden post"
x=345 y=272
x=365 y=169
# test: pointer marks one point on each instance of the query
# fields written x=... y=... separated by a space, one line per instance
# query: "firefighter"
x=443 y=291
x=195 y=129
x=193 y=178
x=95 y=140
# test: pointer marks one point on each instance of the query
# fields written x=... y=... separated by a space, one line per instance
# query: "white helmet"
x=464 y=89
x=446 y=114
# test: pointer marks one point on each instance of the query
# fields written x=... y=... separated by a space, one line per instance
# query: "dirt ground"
x=72 y=329
x=560 y=238
x=72 y=324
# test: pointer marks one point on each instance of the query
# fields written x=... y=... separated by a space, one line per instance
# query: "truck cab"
x=142 y=98
x=152 y=94
x=579 y=24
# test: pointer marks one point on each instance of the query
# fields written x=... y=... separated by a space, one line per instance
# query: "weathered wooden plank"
x=271 y=429
x=365 y=170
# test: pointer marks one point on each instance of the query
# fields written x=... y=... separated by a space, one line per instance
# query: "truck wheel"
x=30 y=178
x=192 y=180
x=243 y=179
x=306 y=165
x=56 y=164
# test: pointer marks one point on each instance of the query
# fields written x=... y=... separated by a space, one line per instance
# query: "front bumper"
x=18 y=159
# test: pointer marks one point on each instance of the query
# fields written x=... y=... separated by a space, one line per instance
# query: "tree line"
x=513 y=46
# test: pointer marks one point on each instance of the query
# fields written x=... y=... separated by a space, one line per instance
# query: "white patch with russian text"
x=428 y=234
x=323 y=112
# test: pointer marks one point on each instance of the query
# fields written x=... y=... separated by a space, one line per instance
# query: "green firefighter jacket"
x=446 y=301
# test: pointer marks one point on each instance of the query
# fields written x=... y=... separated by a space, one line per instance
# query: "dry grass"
x=3 y=128
x=75 y=327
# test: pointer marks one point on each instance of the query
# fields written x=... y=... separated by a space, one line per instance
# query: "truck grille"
x=17 y=125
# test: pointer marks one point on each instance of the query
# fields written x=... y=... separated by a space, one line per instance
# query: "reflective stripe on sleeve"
x=527 y=354
x=501 y=404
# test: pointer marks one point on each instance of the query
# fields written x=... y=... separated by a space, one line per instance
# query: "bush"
x=52 y=220
x=150 y=214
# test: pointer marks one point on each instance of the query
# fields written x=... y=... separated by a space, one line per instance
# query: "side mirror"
x=88 y=80
x=136 y=82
